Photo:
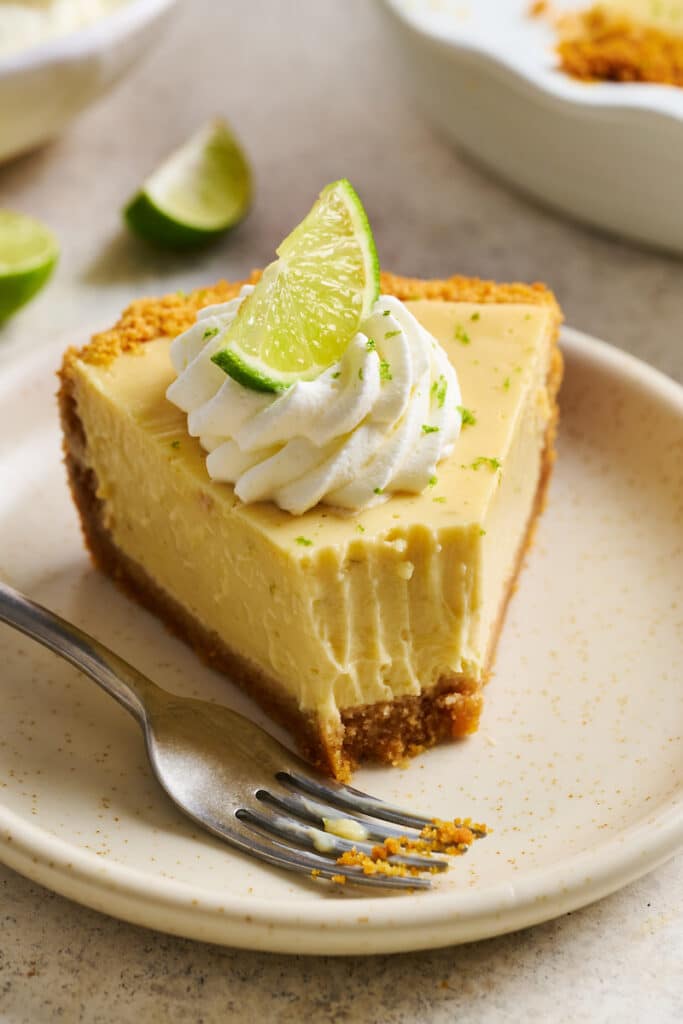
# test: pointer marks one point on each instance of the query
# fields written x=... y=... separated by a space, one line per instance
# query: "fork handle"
x=123 y=682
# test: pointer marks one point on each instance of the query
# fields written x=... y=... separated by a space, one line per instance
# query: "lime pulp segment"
x=311 y=301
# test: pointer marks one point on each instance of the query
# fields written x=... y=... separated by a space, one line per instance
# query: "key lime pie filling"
x=343 y=548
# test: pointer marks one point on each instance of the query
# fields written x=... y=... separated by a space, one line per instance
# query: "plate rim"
x=362 y=925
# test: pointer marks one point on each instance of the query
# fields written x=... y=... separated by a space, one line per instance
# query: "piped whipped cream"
x=375 y=423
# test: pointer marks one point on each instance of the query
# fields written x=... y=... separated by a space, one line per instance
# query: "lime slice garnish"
x=28 y=254
x=203 y=189
x=310 y=302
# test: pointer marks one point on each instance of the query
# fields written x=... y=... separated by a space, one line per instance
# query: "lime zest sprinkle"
x=461 y=335
x=466 y=415
x=360 y=373
x=433 y=481
x=210 y=332
x=384 y=370
x=304 y=541
x=439 y=389
x=441 y=500
x=360 y=528
x=386 y=312
x=370 y=345
x=391 y=334
x=427 y=428
x=485 y=460
x=482 y=531
x=476 y=316
x=378 y=490
x=506 y=384
x=175 y=444
x=336 y=375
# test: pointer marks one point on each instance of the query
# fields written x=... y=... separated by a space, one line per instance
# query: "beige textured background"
x=314 y=91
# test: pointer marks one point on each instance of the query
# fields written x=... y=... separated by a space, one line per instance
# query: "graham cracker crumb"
x=373 y=866
x=451 y=837
x=597 y=45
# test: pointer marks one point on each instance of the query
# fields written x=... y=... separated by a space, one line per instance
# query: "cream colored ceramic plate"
x=577 y=766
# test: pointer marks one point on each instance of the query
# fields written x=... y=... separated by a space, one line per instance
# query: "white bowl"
x=610 y=154
x=43 y=88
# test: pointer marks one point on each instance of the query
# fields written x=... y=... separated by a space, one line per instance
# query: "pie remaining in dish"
x=370 y=635
x=623 y=41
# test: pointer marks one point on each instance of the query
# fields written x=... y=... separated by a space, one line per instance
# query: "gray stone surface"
x=315 y=92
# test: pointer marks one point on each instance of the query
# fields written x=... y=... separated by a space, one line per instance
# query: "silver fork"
x=226 y=773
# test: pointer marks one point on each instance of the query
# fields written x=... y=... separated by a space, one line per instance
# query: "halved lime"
x=28 y=254
x=310 y=302
x=200 y=191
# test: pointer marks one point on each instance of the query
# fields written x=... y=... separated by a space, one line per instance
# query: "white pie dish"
x=43 y=88
x=609 y=154
x=576 y=766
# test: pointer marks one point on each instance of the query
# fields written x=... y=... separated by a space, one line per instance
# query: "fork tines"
x=301 y=827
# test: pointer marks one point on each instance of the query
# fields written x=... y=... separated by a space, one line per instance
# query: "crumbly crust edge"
x=597 y=45
x=150 y=318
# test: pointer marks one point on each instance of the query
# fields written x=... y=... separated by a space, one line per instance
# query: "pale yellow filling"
x=666 y=15
x=378 y=605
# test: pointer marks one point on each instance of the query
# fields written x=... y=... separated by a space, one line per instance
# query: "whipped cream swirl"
x=375 y=423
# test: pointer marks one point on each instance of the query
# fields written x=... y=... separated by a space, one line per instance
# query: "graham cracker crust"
x=387 y=732
x=597 y=45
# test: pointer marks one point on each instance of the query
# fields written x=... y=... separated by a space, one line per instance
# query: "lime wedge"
x=201 y=190
x=310 y=302
x=28 y=254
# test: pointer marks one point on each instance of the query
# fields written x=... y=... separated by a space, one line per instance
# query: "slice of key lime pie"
x=324 y=479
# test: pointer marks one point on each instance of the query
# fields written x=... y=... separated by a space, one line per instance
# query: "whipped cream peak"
x=376 y=422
